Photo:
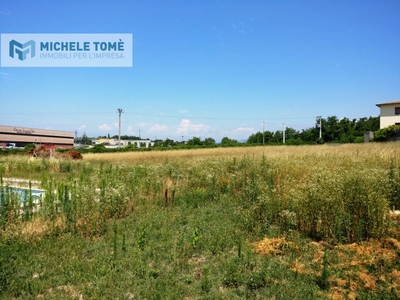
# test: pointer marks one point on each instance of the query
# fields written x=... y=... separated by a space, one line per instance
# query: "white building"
x=113 y=143
x=389 y=113
x=138 y=143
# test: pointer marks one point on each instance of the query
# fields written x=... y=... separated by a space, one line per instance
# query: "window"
x=397 y=110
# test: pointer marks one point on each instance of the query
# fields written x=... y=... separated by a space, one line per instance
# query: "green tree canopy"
x=85 y=140
x=387 y=133
x=195 y=141
x=228 y=142
x=209 y=141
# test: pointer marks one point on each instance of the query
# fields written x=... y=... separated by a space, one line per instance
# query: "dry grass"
x=38 y=227
x=67 y=291
x=382 y=151
x=354 y=262
x=270 y=246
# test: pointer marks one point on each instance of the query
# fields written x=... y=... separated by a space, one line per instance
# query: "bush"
x=359 y=139
x=28 y=147
x=99 y=149
x=256 y=280
x=387 y=133
x=73 y=154
x=233 y=273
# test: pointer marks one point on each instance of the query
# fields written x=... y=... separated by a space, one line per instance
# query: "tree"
x=158 y=143
x=277 y=137
x=344 y=130
x=291 y=133
x=347 y=130
x=226 y=142
x=310 y=135
x=366 y=124
x=209 y=141
x=255 y=138
x=259 y=138
x=330 y=129
x=85 y=140
x=168 y=143
x=195 y=141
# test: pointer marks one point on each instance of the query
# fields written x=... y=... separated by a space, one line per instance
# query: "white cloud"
x=188 y=128
x=142 y=124
x=130 y=130
x=4 y=74
x=183 y=111
x=241 y=133
x=244 y=130
x=105 y=127
x=157 y=128
x=82 y=127
x=6 y=13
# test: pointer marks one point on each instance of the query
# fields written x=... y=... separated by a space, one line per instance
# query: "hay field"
x=371 y=151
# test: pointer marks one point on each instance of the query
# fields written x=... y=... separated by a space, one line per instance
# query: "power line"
x=153 y=115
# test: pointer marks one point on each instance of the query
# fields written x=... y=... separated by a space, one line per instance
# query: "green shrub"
x=385 y=134
x=99 y=149
x=206 y=283
x=256 y=280
x=359 y=139
x=233 y=276
x=29 y=147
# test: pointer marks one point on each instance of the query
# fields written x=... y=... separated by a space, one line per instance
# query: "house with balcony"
x=389 y=113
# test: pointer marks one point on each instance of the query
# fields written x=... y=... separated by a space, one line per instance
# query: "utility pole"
x=120 y=111
x=320 y=127
x=263 y=132
x=283 y=133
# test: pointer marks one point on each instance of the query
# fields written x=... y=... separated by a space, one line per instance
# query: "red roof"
x=388 y=103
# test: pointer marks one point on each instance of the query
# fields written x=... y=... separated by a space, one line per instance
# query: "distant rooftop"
x=388 y=103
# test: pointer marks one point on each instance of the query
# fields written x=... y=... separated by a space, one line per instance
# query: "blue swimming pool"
x=23 y=195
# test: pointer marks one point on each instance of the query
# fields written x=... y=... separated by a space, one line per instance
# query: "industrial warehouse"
x=13 y=136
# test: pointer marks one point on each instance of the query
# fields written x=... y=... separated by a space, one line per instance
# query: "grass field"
x=282 y=222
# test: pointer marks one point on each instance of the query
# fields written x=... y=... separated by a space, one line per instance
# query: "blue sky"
x=208 y=68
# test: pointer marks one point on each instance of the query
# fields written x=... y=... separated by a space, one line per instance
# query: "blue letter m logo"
x=22 y=49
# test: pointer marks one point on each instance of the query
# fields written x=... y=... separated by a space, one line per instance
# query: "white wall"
x=387 y=116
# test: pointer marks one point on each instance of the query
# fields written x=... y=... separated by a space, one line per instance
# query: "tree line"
x=329 y=130
x=325 y=130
